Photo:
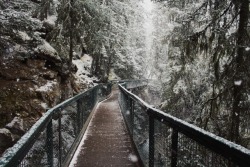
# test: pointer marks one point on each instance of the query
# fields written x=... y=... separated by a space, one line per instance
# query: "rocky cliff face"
x=33 y=77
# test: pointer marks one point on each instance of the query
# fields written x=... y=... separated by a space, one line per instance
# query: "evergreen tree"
x=207 y=62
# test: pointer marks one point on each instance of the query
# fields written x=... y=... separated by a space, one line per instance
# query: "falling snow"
x=132 y=158
x=238 y=83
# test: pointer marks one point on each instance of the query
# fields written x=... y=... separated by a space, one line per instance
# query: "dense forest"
x=205 y=75
x=195 y=54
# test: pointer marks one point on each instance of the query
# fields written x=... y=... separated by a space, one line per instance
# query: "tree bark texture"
x=239 y=71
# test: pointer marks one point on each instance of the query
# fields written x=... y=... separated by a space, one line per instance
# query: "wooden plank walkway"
x=106 y=142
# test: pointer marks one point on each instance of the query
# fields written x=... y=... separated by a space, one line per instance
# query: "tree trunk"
x=109 y=65
x=93 y=65
x=239 y=71
x=109 y=54
x=71 y=34
x=45 y=5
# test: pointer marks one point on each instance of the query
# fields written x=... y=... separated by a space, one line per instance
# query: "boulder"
x=34 y=63
x=16 y=126
x=47 y=52
x=50 y=93
x=5 y=139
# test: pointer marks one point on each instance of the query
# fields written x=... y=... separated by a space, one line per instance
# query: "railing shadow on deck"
x=54 y=137
x=163 y=140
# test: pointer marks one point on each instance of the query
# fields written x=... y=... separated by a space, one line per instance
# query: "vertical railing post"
x=60 y=140
x=125 y=85
x=127 y=106
x=151 y=141
x=132 y=115
x=96 y=96
x=174 y=149
x=84 y=110
x=49 y=143
x=125 y=102
x=79 y=115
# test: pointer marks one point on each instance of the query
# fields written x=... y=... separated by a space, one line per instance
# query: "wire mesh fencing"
x=54 y=138
x=163 y=140
x=188 y=152
x=36 y=156
x=137 y=122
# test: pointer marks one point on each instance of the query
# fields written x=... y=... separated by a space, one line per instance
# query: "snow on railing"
x=131 y=84
x=163 y=140
x=55 y=136
x=53 y=139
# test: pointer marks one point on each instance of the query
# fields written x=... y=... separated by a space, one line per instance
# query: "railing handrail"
x=225 y=148
x=131 y=84
x=16 y=153
x=128 y=80
x=28 y=139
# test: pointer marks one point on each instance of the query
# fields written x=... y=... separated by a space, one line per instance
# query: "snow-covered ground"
x=83 y=75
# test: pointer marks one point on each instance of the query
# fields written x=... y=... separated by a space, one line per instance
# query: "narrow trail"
x=106 y=141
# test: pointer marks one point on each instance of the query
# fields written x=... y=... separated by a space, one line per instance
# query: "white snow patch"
x=5 y=131
x=231 y=31
x=84 y=66
x=44 y=105
x=127 y=112
x=47 y=49
x=80 y=66
x=24 y=36
x=47 y=87
x=86 y=58
x=16 y=122
x=51 y=20
x=238 y=83
x=132 y=158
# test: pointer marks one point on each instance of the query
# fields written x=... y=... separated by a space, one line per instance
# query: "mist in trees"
x=107 y=30
x=202 y=60
x=195 y=51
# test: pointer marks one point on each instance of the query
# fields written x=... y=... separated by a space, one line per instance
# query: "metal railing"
x=163 y=140
x=54 y=137
x=131 y=84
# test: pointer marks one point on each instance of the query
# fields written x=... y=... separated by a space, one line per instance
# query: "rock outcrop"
x=5 y=139
x=47 y=52
x=32 y=73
